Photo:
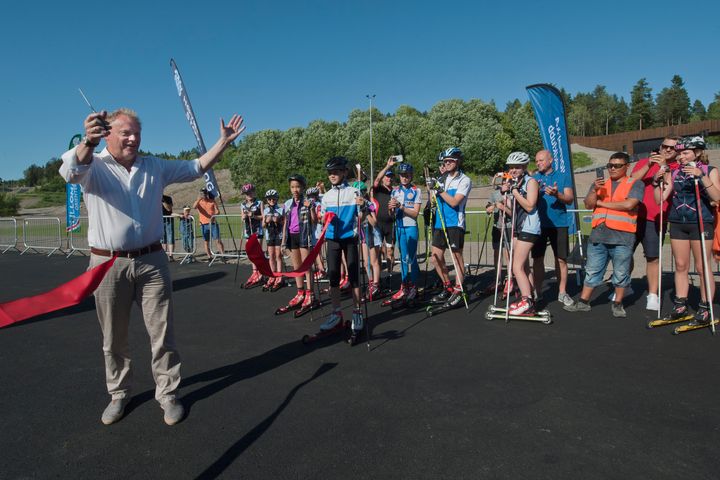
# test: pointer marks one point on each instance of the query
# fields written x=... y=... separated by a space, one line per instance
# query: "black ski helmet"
x=298 y=178
x=336 y=163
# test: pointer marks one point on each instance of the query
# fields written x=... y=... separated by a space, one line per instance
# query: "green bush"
x=9 y=205
x=581 y=159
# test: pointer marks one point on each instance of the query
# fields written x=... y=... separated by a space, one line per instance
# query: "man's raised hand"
x=229 y=132
x=96 y=127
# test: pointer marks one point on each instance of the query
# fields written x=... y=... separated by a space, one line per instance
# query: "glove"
x=434 y=184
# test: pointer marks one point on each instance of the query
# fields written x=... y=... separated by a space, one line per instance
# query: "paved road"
x=452 y=396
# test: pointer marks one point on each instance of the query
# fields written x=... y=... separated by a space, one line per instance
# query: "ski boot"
x=702 y=316
x=357 y=325
x=308 y=304
x=344 y=284
x=254 y=280
x=269 y=284
x=294 y=303
x=508 y=288
x=455 y=298
x=396 y=298
x=334 y=324
x=443 y=296
x=318 y=275
x=278 y=284
x=525 y=306
x=680 y=313
x=372 y=292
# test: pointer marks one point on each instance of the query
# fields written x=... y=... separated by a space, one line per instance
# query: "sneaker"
x=577 y=306
x=565 y=299
x=400 y=294
x=410 y=292
x=628 y=292
x=524 y=305
x=333 y=321
x=357 y=320
x=114 y=411
x=618 y=310
x=174 y=411
x=652 y=302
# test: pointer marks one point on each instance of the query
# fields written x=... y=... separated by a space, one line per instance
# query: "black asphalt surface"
x=452 y=396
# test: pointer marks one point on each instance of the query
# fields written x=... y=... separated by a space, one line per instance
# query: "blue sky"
x=283 y=64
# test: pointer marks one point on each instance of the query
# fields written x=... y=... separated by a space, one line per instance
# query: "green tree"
x=713 y=110
x=673 y=103
x=641 y=106
x=697 y=112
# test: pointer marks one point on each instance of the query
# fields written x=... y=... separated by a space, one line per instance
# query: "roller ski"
x=356 y=327
x=700 y=320
x=308 y=304
x=455 y=300
x=680 y=313
x=253 y=281
x=332 y=326
x=443 y=296
x=295 y=303
x=524 y=309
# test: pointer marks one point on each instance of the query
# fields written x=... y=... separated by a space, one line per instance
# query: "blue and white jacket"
x=340 y=200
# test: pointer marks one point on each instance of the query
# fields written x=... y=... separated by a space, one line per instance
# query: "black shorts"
x=558 y=239
x=527 y=237
x=296 y=241
x=387 y=232
x=456 y=236
x=495 y=238
x=273 y=239
x=334 y=259
x=690 y=231
x=648 y=235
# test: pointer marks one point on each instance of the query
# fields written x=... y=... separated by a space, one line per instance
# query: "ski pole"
x=498 y=266
x=660 y=243
x=703 y=248
x=360 y=264
x=510 y=261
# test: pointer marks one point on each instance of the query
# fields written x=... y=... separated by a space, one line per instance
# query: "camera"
x=397 y=158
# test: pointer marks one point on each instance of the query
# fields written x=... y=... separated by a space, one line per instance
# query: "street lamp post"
x=372 y=170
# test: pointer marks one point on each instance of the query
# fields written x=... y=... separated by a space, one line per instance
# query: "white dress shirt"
x=124 y=208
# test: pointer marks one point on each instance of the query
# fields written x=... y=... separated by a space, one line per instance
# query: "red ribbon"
x=257 y=256
x=66 y=295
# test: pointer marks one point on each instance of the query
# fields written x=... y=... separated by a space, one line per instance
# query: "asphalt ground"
x=451 y=396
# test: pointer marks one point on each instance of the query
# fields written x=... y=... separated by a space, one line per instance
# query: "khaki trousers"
x=146 y=281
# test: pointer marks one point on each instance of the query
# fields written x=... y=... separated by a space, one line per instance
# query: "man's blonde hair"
x=126 y=112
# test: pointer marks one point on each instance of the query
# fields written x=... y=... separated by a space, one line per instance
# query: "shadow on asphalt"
x=237 y=449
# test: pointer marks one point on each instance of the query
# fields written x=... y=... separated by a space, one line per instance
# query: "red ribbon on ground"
x=66 y=295
x=257 y=256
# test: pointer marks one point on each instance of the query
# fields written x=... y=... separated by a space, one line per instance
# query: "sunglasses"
x=667 y=147
x=611 y=166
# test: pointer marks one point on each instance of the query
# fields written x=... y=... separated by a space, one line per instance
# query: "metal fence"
x=229 y=242
x=42 y=234
x=77 y=239
x=8 y=234
x=180 y=231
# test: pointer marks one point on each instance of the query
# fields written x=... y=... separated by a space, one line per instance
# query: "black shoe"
x=441 y=297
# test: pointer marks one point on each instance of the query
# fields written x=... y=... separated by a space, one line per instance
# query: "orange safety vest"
x=614 y=219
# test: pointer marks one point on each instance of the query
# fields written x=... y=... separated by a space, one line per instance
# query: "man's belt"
x=127 y=253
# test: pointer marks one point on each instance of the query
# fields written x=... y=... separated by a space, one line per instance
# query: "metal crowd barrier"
x=231 y=231
x=183 y=233
x=8 y=234
x=78 y=240
x=42 y=233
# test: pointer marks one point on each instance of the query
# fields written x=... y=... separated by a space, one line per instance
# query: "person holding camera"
x=685 y=217
x=648 y=227
x=207 y=209
x=122 y=190
x=382 y=193
x=614 y=222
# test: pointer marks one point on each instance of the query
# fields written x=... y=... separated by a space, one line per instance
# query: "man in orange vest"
x=614 y=222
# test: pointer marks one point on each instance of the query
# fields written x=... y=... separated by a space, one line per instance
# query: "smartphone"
x=398 y=158
x=600 y=173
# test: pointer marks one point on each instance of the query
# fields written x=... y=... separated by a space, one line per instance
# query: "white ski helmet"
x=518 y=158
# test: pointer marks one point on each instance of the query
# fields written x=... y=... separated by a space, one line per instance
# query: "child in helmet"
x=298 y=237
x=313 y=195
x=272 y=223
x=252 y=214
x=371 y=240
x=684 y=219
x=524 y=191
x=405 y=203
x=347 y=204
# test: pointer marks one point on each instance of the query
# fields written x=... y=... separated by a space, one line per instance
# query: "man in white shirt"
x=122 y=190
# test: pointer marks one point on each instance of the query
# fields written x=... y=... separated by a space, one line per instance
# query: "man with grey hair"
x=122 y=190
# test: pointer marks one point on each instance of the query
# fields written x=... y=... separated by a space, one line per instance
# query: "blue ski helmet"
x=405 y=168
